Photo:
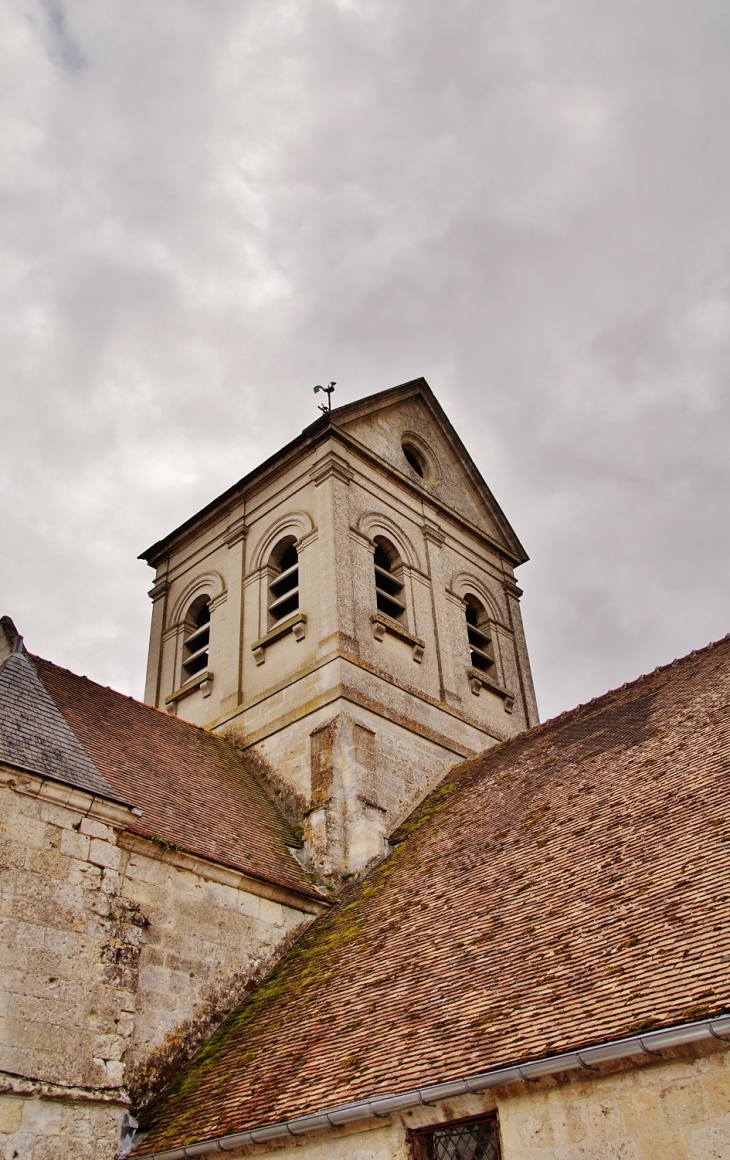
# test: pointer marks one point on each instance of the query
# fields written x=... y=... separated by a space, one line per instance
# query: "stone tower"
x=348 y=613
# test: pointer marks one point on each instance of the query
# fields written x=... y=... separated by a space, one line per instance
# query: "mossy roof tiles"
x=566 y=887
x=194 y=789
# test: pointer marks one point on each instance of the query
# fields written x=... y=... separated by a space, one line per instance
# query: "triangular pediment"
x=411 y=414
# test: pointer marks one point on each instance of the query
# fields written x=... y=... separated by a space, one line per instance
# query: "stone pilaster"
x=158 y=595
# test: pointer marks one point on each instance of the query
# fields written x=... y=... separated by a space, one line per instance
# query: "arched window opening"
x=196 y=642
x=388 y=585
x=284 y=587
x=480 y=640
x=415 y=459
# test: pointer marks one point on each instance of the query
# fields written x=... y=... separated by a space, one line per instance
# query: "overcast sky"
x=209 y=208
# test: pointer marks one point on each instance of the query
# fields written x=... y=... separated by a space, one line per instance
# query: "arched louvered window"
x=196 y=638
x=284 y=584
x=480 y=638
x=388 y=580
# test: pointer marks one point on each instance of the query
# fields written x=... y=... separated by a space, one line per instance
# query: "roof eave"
x=676 y=1035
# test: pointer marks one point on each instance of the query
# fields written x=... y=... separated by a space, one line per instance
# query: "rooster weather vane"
x=325 y=409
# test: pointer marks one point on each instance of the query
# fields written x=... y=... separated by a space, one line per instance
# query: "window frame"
x=417 y=1137
x=275 y=579
x=485 y=654
x=293 y=620
x=383 y=621
x=191 y=631
x=393 y=576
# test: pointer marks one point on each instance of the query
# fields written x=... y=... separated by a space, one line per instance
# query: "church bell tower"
x=347 y=614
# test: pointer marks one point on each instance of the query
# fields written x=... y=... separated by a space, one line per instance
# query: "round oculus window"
x=416 y=459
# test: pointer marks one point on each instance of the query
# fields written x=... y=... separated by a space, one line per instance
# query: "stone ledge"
x=382 y=624
x=19 y=1085
x=203 y=681
x=296 y=625
x=479 y=680
x=216 y=872
x=68 y=797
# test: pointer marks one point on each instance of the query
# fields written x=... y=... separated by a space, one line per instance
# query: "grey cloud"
x=229 y=203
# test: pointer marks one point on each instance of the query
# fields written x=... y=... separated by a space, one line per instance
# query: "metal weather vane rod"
x=328 y=391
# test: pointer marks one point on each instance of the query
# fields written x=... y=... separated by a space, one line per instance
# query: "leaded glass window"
x=472 y=1140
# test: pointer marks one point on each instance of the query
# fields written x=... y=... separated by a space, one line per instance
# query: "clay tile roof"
x=195 y=791
x=566 y=887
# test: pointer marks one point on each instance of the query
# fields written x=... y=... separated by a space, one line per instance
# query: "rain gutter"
x=588 y=1057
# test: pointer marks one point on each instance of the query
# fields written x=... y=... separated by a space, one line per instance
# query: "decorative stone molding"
x=209 y=584
x=299 y=524
x=305 y=541
x=372 y=524
x=479 y=680
x=203 y=681
x=465 y=582
x=158 y=590
x=61 y=794
x=296 y=625
x=217 y=601
x=214 y=872
x=434 y=534
x=511 y=588
x=370 y=804
x=329 y=465
x=382 y=624
x=236 y=532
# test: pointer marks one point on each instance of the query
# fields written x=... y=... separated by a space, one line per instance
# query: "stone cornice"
x=331 y=464
x=215 y=872
x=299 y=448
x=433 y=533
x=418 y=489
x=236 y=532
x=159 y=590
x=68 y=796
x=336 y=690
x=21 y=1085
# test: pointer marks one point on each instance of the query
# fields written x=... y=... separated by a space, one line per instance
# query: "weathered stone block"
x=58 y=815
x=683 y=1102
x=664 y=1145
x=28 y=832
x=96 y=829
x=11 y=1113
x=716 y=1088
x=104 y=854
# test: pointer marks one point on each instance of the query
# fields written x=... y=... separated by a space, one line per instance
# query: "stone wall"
x=116 y=954
x=674 y=1108
x=677 y=1110
x=36 y=1127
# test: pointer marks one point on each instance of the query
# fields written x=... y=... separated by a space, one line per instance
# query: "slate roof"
x=35 y=736
x=564 y=888
x=195 y=790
